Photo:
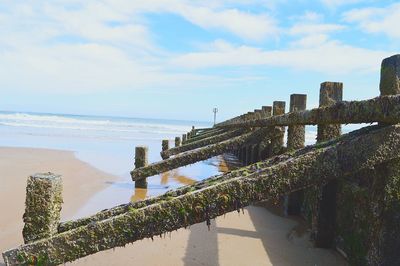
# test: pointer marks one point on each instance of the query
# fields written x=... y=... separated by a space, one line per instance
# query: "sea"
x=107 y=143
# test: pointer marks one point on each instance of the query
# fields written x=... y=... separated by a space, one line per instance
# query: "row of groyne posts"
x=347 y=186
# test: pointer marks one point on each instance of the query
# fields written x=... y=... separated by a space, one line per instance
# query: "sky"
x=178 y=59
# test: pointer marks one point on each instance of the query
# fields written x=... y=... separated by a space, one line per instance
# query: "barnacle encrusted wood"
x=390 y=75
x=105 y=214
x=311 y=168
x=194 y=156
x=386 y=251
x=201 y=143
x=276 y=145
x=296 y=140
x=141 y=160
x=296 y=133
x=330 y=93
x=384 y=109
x=42 y=206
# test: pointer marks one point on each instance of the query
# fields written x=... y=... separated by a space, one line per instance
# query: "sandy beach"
x=80 y=182
x=257 y=237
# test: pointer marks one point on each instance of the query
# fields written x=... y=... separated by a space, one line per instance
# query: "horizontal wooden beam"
x=206 y=134
x=315 y=167
x=197 y=155
x=201 y=143
x=120 y=209
x=385 y=109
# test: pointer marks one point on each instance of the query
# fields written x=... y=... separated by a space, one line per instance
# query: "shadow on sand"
x=202 y=245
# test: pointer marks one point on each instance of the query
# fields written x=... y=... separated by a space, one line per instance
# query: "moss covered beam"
x=311 y=168
x=105 y=214
x=205 y=135
x=202 y=130
x=197 y=155
x=385 y=109
x=201 y=143
x=243 y=117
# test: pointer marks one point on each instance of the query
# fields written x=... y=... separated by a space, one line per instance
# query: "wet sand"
x=257 y=237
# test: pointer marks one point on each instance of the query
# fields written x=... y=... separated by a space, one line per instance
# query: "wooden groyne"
x=346 y=186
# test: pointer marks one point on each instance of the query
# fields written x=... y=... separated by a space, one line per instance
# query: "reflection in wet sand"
x=164 y=178
x=223 y=163
x=140 y=194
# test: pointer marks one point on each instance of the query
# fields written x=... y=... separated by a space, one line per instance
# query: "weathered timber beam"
x=105 y=214
x=194 y=156
x=313 y=168
x=201 y=143
x=385 y=109
x=257 y=167
x=205 y=135
x=201 y=130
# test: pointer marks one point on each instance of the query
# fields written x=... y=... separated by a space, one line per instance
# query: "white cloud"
x=86 y=46
x=311 y=40
x=205 y=14
x=325 y=57
x=337 y=3
x=307 y=29
x=310 y=16
x=384 y=20
x=244 y=25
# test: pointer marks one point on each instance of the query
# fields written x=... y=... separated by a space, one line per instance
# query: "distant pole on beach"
x=215 y=111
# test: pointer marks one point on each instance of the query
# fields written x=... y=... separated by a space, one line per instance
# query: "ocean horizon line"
x=154 y=119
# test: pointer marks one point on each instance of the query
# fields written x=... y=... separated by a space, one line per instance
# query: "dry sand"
x=80 y=182
x=257 y=237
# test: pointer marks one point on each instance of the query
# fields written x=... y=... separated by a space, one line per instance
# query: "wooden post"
x=330 y=93
x=386 y=249
x=42 y=206
x=165 y=144
x=177 y=141
x=258 y=114
x=141 y=160
x=277 y=142
x=248 y=154
x=183 y=138
x=263 y=145
x=296 y=134
x=239 y=153
x=295 y=140
x=254 y=153
x=243 y=154
x=193 y=132
x=267 y=110
x=390 y=76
